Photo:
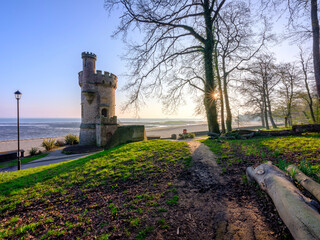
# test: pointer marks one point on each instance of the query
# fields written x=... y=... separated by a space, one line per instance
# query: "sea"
x=56 y=127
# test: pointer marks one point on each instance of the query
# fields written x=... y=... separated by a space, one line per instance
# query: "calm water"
x=56 y=127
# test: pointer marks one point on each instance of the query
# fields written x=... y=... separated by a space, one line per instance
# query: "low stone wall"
x=126 y=134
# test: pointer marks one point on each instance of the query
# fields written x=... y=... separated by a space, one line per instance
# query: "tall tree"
x=170 y=31
x=305 y=71
x=288 y=79
x=263 y=80
x=237 y=44
x=299 y=10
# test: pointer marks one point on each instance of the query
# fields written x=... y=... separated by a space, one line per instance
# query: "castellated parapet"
x=98 y=120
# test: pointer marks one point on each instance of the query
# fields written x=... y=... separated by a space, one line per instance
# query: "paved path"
x=53 y=157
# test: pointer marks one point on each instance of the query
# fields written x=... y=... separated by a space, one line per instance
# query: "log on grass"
x=309 y=184
x=278 y=133
x=306 y=128
x=297 y=211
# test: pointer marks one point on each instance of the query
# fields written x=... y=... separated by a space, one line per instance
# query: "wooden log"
x=278 y=133
x=306 y=128
x=247 y=136
x=309 y=184
x=213 y=135
x=297 y=212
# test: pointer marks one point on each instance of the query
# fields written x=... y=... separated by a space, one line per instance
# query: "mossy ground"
x=119 y=193
x=303 y=151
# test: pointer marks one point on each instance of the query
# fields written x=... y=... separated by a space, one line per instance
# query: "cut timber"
x=306 y=128
x=213 y=135
x=297 y=211
x=312 y=186
x=278 y=133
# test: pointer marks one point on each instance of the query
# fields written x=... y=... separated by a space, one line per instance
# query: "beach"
x=164 y=132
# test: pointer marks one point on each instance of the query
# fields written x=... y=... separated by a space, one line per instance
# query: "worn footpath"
x=216 y=205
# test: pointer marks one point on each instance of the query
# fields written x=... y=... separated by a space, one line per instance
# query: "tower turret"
x=89 y=63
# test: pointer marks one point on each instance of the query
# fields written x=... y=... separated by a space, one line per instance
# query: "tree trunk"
x=209 y=101
x=285 y=122
x=297 y=211
x=270 y=112
x=228 y=109
x=312 y=186
x=315 y=35
x=312 y=113
x=262 y=119
x=223 y=128
x=265 y=112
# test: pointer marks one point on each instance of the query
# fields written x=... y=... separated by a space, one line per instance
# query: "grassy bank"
x=303 y=151
x=119 y=193
x=23 y=160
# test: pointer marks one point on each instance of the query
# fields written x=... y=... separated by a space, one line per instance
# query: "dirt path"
x=214 y=205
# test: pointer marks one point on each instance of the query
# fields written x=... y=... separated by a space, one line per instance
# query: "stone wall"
x=127 y=134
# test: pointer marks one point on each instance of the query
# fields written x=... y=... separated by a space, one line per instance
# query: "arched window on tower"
x=104 y=112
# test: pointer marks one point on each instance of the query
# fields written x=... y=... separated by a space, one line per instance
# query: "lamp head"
x=18 y=95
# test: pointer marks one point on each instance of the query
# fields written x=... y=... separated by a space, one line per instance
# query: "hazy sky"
x=41 y=44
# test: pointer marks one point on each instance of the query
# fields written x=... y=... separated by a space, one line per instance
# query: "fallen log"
x=247 y=136
x=306 y=128
x=297 y=211
x=278 y=133
x=309 y=184
x=213 y=135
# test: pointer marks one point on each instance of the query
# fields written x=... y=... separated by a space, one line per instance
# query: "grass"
x=118 y=192
x=303 y=151
x=23 y=160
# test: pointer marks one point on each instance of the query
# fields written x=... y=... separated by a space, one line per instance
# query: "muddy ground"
x=219 y=205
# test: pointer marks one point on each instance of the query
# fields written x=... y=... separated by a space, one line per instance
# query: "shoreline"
x=163 y=132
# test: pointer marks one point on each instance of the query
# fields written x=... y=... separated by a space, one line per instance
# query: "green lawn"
x=23 y=160
x=303 y=151
x=119 y=193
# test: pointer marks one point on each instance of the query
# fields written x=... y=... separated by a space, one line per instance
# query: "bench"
x=10 y=155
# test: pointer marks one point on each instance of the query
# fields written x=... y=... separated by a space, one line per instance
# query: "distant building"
x=98 y=121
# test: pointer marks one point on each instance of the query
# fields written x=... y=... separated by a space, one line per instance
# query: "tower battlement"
x=106 y=78
x=89 y=54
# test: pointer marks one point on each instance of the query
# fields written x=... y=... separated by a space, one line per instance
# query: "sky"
x=41 y=44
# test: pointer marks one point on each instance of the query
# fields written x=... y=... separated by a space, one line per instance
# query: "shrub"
x=71 y=139
x=188 y=135
x=33 y=151
x=60 y=142
x=48 y=143
x=191 y=135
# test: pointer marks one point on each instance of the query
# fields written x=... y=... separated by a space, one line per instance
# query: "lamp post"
x=18 y=96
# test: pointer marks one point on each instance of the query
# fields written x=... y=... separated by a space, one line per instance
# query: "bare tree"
x=262 y=80
x=170 y=31
x=237 y=44
x=287 y=90
x=299 y=10
x=254 y=101
x=305 y=71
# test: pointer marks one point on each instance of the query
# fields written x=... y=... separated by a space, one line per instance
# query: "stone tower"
x=98 y=120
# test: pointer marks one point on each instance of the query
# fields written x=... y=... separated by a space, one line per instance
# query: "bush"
x=33 y=151
x=60 y=143
x=188 y=135
x=191 y=135
x=48 y=143
x=71 y=139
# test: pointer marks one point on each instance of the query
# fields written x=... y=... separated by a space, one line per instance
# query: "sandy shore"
x=166 y=132
x=25 y=144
